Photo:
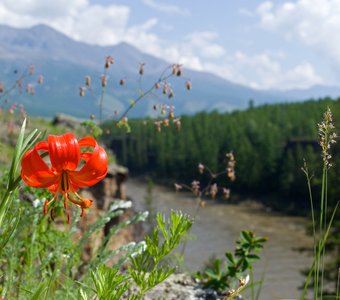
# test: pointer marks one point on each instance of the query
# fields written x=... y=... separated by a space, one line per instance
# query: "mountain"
x=65 y=62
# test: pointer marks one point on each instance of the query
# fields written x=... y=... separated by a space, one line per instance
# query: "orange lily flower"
x=70 y=166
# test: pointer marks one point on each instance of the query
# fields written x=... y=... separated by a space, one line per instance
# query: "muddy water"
x=217 y=227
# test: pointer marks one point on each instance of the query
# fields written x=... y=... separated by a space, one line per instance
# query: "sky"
x=262 y=44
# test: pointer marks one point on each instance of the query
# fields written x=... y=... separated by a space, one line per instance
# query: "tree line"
x=269 y=142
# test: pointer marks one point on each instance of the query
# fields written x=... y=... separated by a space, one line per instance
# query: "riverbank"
x=218 y=225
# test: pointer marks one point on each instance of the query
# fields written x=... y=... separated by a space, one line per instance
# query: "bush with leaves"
x=222 y=275
x=145 y=269
x=41 y=259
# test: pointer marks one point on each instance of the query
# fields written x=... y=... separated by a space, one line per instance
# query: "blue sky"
x=263 y=44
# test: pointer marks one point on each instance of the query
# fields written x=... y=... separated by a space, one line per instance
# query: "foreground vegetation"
x=42 y=250
x=270 y=142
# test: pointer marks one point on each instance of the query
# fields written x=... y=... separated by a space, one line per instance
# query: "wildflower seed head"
x=200 y=168
x=327 y=136
x=163 y=110
x=125 y=120
x=109 y=60
x=157 y=85
x=178 y=124
x=178 y=187
x=165 y=122
x=2 y=87
x=174 y=69
x=158 y=126
x=121 y=82
x=231 y=166
x=88 y=81
x=213 y=190
x=179 y=70
x=141 y=68
x=103 y=79
x=195 y=187
x=226 y=193
x=188 y=85
x=82 y=91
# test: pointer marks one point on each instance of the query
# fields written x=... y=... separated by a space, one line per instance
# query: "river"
x=217 y=227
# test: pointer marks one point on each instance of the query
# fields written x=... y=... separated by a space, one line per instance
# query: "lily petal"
x=34 y=171
x=95 y=168
x=64 y=151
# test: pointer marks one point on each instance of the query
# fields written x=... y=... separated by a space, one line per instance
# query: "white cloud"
x=204 y=42
x=109 y=24
x=167 y=8
x=200 y=52
x=315 y=23
x=264 y=71
x=94 y=24
x=245 y=12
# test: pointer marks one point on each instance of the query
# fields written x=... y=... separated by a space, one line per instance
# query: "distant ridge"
x=64 y=63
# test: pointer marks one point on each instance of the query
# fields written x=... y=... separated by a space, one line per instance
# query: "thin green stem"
x=305 y=170
x=320 y=254
x=252 y=288
x=338 y=286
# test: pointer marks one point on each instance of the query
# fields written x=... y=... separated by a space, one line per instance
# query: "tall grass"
x=321 y=223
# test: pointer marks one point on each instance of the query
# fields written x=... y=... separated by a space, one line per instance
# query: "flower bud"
x=213 y=190
x=109 y=60
x=103 y=80
x=171 y=113
x=177 y=123
x=165 y=122
x=177 y=187
x=157 y=126
x=226 y=193
x=188 y=85
x=82 y=91
x=88 y=81
x=141 y=69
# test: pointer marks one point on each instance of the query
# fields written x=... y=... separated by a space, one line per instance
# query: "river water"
x=217 y=227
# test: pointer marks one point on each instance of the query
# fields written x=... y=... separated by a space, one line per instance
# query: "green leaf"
x=38 y=294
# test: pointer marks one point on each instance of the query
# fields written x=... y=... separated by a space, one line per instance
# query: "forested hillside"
x=269 y=143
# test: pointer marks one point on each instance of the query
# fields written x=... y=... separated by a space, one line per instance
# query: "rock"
x=66 y=120
x=105 y=192
x=181 y=287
